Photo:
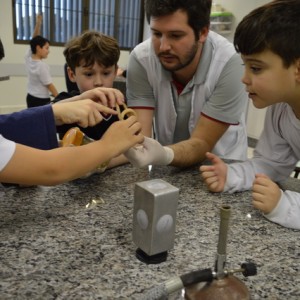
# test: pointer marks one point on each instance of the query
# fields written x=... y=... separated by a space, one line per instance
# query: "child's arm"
x=33 y=166
x=278 y=206
x=214 y=175
x=84 y=112
x=287 y=211
x=38 y=24
x=117 y=161
x=22 y=127
x=52 y=89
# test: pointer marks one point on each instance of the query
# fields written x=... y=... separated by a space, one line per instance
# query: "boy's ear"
x=71 y=74
x=298 y=68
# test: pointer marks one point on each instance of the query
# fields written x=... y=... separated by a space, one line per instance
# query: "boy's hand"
x=106 y=96
x=122 y=135
x=85 y=112
x=215 y=175
x=266 y=193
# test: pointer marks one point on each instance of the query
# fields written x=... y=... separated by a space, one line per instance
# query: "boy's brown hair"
x=92 y=47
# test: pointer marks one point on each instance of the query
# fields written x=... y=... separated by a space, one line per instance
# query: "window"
x=63 y=19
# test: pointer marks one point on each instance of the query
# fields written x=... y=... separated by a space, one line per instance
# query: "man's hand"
x=85 y=112
x=266 y=193
x=215 y=175
x=106 y=96
x=151 y=152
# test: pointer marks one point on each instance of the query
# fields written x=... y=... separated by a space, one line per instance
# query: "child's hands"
x=85 y=112
x=122 y=135
x=215 y=175
x=266 y=193
x=106 y=96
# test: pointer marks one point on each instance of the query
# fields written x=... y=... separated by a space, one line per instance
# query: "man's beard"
x=188 y=58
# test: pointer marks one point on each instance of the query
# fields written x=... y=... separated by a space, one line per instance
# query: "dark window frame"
x=85 y=23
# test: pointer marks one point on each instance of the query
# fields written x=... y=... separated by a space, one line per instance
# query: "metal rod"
x=225 y=212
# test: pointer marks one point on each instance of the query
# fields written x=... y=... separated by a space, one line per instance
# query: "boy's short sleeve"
x=7 y=149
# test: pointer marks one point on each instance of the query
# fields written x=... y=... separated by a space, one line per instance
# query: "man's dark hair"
x=198 y=11
x=274 y=26
x=38 y=41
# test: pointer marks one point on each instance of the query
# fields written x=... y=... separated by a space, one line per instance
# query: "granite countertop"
x=53 y=247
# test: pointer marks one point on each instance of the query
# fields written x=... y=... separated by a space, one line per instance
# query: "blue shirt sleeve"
x=34 y=127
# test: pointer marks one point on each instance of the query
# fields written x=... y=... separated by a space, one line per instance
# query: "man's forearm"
x=189 y=152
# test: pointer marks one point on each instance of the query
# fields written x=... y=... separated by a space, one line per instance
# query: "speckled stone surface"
x=53 y=247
